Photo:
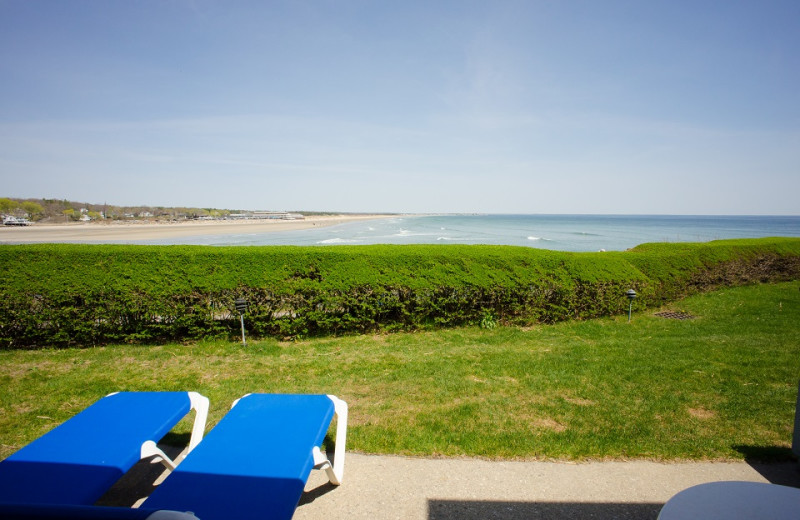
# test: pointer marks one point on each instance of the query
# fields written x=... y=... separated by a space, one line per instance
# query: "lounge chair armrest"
x=150 y=449
x=321 y=460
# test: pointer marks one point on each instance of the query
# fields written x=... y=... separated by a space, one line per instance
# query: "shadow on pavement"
x=310 y=496
x=139 y=481
x=475 y=510
x=776 y=464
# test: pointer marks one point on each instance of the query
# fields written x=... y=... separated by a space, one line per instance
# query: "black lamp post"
x=241 y=308
x=631 y=294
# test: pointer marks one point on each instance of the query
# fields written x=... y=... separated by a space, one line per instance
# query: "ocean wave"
x=407 y=233
x=339 y=241
x=539 y=238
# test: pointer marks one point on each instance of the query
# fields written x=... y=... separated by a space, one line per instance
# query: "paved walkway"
x=466 y=489
x=381 y=487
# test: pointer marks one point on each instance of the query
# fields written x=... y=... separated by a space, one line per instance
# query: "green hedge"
x=65 y=294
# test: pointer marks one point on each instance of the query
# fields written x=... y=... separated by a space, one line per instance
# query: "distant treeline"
x=83 y=295
x=62 y=210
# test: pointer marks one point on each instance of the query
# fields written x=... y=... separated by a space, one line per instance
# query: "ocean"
x=556 y=232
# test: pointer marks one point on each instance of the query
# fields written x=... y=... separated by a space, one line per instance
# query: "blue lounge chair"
x=78 y=461
x=255 y=462
x=62 y=512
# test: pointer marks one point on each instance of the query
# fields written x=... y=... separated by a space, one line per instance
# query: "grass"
x=721 y=386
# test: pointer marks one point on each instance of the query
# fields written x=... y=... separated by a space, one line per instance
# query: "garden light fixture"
x=241 y=308
x=631 y=294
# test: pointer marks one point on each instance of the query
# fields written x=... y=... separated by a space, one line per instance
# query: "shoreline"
x=135 y=231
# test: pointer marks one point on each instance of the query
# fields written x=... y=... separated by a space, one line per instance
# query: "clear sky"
x=495 y=106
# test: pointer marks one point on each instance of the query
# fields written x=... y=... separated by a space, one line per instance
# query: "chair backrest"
x=254 y=463
x=78 y=461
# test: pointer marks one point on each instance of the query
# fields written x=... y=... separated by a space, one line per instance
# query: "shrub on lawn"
x=67 y=294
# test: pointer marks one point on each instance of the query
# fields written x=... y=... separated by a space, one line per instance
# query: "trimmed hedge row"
x=65 y=294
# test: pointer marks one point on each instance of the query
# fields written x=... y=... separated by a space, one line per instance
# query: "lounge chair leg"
x=200 y=405
x=336 y=471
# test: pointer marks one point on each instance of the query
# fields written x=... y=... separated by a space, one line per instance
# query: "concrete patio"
x=390 y=487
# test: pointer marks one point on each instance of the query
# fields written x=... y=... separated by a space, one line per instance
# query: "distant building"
x=266 y=215
x=277 y=215
x=9 y=220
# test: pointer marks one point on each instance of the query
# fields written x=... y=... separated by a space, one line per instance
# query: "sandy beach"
x=132 y=231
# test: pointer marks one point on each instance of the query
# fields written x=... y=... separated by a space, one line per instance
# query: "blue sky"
x=649 y=107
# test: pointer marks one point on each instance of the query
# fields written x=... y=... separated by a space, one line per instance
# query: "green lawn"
x=720 y=386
